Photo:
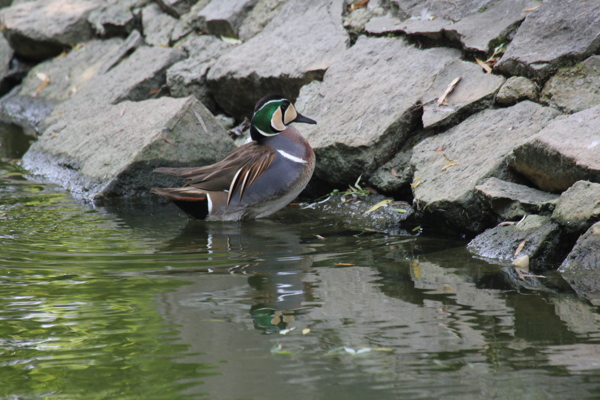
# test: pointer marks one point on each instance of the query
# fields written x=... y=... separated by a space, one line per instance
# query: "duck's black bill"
x=302 y=118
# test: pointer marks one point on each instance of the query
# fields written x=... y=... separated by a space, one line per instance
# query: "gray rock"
x=176 y=8
x=303 y=41
x=188 y=77
x=262 y=13
x=449 y=166
x=41 y=29
x=188 y=21
x=111 y=150
x=581 y=267
x=224 y=17
x=365 y=106
x=575 y=88
x=112 y=20
x=512 y=201
x=578 y=207
x=158 y=26
x=6 y=55
x=555 y=33
x=541 y=236
x=517 y=88
x=564 y=152
x=474 y=92
x=477 y=25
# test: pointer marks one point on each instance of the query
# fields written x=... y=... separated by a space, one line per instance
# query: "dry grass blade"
x=45 y=78
x=449 y=89
x=520 y=247
x=378 y=206
x=448 y=165
x=484 y=65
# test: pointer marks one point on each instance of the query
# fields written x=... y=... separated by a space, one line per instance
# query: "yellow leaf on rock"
x=378 y=206
x=448 y=165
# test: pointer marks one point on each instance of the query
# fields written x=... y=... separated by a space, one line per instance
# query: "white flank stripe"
x=291 y=157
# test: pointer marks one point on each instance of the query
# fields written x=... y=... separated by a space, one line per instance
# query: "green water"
x=133 y=301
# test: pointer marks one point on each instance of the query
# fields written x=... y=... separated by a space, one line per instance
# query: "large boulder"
x=367 y=105
x=581 y=268
x=111 y=150
x=294 y=49
x=578 y=207
x=515 y=89
x=112 y=20
x=224 y=17
x=575 y=88
x=564 y=152
x=449 y=166
x=555 y=33
x=158 y=26
x=41 y=29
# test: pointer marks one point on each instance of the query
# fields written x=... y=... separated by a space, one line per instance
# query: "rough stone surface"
x=564 y=152
x=158 y=26
x=578 y=207
x=176 y=8
x=252 y=70
x=575 y=88
x=6 y=55
x=188 y=77
x=541 y=236
x=474 y=92
x=554 y=33
x=112 y=20
x=188 y=21
x=515 y=89
x=447 y=167
x=477 y=25
x=224 y=17
x=512 y=201
x=41 y=29
x=262 y=13
x=581 y=268
x=383 y=112
x=111 y=150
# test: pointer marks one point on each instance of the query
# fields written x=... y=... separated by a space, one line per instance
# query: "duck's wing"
x=236 y=171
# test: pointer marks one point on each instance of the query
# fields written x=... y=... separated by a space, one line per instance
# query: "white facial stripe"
x=290 y=115
x=291 y=157
x=269 y=102
x=265 y=133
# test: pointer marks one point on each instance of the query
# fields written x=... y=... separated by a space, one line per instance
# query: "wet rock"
x=356 y=133
x=189 y=21
x=6 y=55
x=354 y=212
x=515 y=89
x=112 y=20
x=262 y=13
x=41 y=29
x=176 y=8
x=541 y=237
x=553 y=34
x=575 y=88
x=158 y=26
x=188 y=77
x=477 y=25
x=303 y=41
x=449 y=166
x=474 y=92
x=581 y=267
x=25 y=111
x=224 y=17
x=111 y=150
x=512 y=201
x=564 y=152
x=578 y=207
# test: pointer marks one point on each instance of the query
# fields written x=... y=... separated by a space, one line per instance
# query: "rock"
x=224 y=17
x=111 y=150
x=262 y=13
x=474 y=92
x=158 y=26
x=540 y=234
x=517 y=88
x=581 y=267
x=303 y=41
x=575 y=88
x=512 y=201
x=189 y=21
x=6 y=55
x=41 y=29
x=112 y=20
x=355 y=133
x=578 y=207
x=564 y=152
x=476 y=25
x=188 y=77
x=553 y=34
x=449 y=166
x=176 y=8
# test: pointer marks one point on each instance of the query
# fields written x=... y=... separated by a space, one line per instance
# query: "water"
x=134 y=301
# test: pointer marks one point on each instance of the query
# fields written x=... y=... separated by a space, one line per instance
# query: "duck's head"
x=272 y=115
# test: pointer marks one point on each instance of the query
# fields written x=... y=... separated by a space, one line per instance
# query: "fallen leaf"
x=170 y=142
x=448 y=165
x=45 y=81
x=345 y=264
x=522 y=263
x=440 y=149
x=414 y=185
x=359 y=4
x=520 y=247
x=531 y=9
x=449 y=89
x=155 y=91
x=506 y=223
x=378 y=206
x=395 y=173
x=484 y=65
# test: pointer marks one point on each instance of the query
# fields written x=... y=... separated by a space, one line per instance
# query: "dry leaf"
x=449 y=89
x=440 y=149
x=522 y=263
x=448 y=165
x=345 y=264
x=359 y=4
x=45 y=81
x=395 y=173
x=531 y=9
x=417 y=183
x=378 y=206
x=484 y=65
x=170 y=142
x=520 y=247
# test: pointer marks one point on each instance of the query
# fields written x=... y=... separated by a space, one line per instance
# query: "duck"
x=256 y=179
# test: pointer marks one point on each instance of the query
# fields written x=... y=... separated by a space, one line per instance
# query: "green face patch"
x=269 y=118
